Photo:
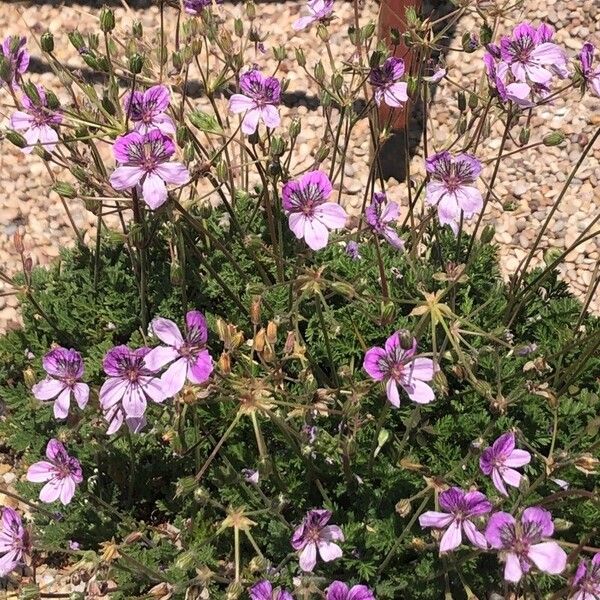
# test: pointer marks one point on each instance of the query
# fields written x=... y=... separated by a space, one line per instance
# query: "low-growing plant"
x=239 y=388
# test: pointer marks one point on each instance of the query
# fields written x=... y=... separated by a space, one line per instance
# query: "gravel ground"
x=529 y=181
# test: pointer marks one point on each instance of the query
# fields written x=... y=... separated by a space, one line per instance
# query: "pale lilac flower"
x=61 y=472
x=251 y=475
x=64 y=370
x=460 y=508
x=338 y=590
x=16 y=58
x=353 y=250
x=591 y=75
x=314 y=534
x=263 y=590
x=14 y=541
x=586 y=582
x=500 y=461
x=124 y=395
x=147 y=110
x=502 y=81
x=73 y=545
x=397 y=366
x=379 y=214
x=145 y=162
x=310 y=215
x=319 y=10
x=385 y=80
x=195 y=7
x=522 y=543
x=37 y=122
x=450 y=187
x=258 y=101
x=186 y=355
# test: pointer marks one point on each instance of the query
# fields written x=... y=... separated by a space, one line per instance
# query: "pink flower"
x=590 y=75
x=147 y=110
x=385 y=80
x=398 y=366
x=186 y=355
x=15 y=56
x=319 y=10
x=522 y=543
x=338 y=590
x=145 y=162
x=314 y=534
x=195 y=7
x=263 y=590
x=65 y=370
x=14 y=541
x=61 y=472
x=379 y=214
x=310 y=215
x=460 y=508
x=258 y=101
x=500 y=460
x=586 y=583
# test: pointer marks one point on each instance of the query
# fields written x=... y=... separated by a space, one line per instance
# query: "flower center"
x=397 y=371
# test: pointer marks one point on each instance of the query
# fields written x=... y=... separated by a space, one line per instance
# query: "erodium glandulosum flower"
x=589 y=73
x=586 y=582
x=318 y=10
x=145 y=162
x=310 y=215
x=14 y=541
x=398 y=366
x=263 y=590
x=61 y=473
x=460 y=509
x=379 y=214
x=64 y=370
x=451 y=188
x=385 y=80
x=124 y=395
x=338 y=590
x=147 y=110
x=500 y=461
x=258 y=101
x=195 y=7
x=15 y=58
x=314 y=534
x=37 y=121
x=186 y=355
x=522 y=543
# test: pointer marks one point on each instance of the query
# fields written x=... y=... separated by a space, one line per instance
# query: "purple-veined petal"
x=9 y=562
x=308 y=557
x=452 y=538
x=328 y=550
x=372 y=363
x=475 y=537
x=167 y=332
x=438 y=520
x=160 y=356
x=303 y=22
x=511 y=477
x=112 y=391
x=62 y=404
x=134 y=401
x=499 y=482
x=20 y=120
x=270 y=116
x=81 y=391
x=47 y=389
x=512 y=569
x=496 y=524
x=250 y=121
x=540 y=517
x=67 y=490
x=154 y=191
x=391 y=390
x=332 y=215
x=518 y=458
x=40 y=472
x=419 y=392
x=51 y=491
x=174 y=377
x=174 y=173
x=316 y=235
x=421 y=368
x=200 y=370
x=238 y=103
x=125 y=178
x=157 y=98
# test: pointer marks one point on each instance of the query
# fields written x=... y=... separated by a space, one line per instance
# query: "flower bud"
x=18 y=242
x=136 y=63
x=137 y=30
x=107 y=20
x=403 y=507
x=16 y=138
x=290 y=342
x=395 y=36
x=271 y=332
x=485 y=34
x=295 y=127
x=300 y=58
x=322 y=153
x=32 y=93
x=406 y=339
x=185 y=486
x=367 y=31
x=387 y=312
x=258 y=563
x=279 y=53
x=319 y=72
x=234 y=591
x=255 y=310
x=77 y=40
x=556 y=138
x=277 y=146
x=473 y=101
x=322 y=32
x=29 y=377
x=462 y=101
x=29 y=592
x=488 y=233
x=524 y=135
x=470 y=43
x=337 y=81
x=251 y=10
x=47 y=42
x=225 y=363
x=64 y=189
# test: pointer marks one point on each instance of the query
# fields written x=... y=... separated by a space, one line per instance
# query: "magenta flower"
x=147 y=110
x=319 y=10
x=61 y=472
x=124 y=395
x=263 y=590
x=353 y=250
x=450 y=187
x=522 y=543
x=460 y=508
x=314 y=534
x=187 y=355
x=385 y=80
x=258 y=101
x=64 y=370
x=379 y=213
x=14 y=541
x=400 y=367
x=195 y=7
x=501 y=80
x=37 y=122
x=145 y=162
x=500 y=460
x=591 y=75
x=16 y=58
x=338 y=590
x=586 y=583
x=310 y=215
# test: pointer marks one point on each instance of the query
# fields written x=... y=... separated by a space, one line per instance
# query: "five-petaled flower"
x=319 y=10
x=460 y=509
x=14 y=541
x=310 y=215
x=263 y=590
x=522 y=543
x=398 y=366
x=586 y=582
x=37 y=121
x=186 y=355
x=314 y=534
x=147 y=110
x=379 y=214
x=15 y=57
x=500 y=460
x=450 y=187
x=258 y=101
x=124 y=395
x=64 y=370
x=338 y=590
x=61 y=473
x=195 y=7
x=145 y=162
x=385 y=80
x=589 y=73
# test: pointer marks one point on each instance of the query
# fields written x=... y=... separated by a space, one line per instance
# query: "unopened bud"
x=473 y=101
x=64 y=189
x=395 y=38
x=77 y=40
x=406 y=339
x=556 y=138
x=277 y=146
x=488 y=233
x=185 y=486
x=29 y=592
x=279 y=53
x=271 y=332
x=137 y=30
x=322 y=32
x=290 y=342
x=322 y=153
x=300 y=58
x=234 y=591
x=462 y=102
x=485 y=34
x=524 y=135
x=367 y=31
x=387 y=312
x=470 y=42
x=18 y=242
x=319 y=72
x=255 y=310
x=295 y=127
x=16 y=138
x=29 y=377
x=251 y=10
x=136 y=63
x=107 y=20
x=258 y=563
x=47 y=42
x=259 y=340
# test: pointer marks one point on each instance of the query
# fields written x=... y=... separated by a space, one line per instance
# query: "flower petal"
x=548 y=557
x=154 y=191
x=125 y=178
x=173 y=378
x=452 y=538
x=40 y=471
x=308 y=557
x=167 y=332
